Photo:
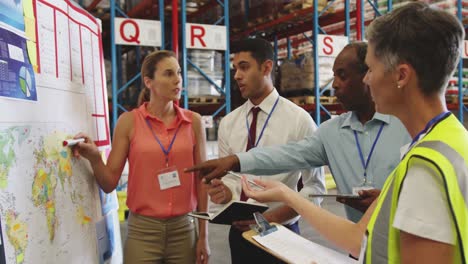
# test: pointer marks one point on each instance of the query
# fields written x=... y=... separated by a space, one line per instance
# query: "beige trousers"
x=158 y=241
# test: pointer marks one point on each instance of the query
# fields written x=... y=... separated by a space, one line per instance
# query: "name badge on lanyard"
x=255 y=144
x=367 y=184
x=167 y=177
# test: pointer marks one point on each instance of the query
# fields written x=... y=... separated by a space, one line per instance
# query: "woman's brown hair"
x=148 y=68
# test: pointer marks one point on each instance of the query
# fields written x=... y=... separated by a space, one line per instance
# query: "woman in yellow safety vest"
x=421 y=215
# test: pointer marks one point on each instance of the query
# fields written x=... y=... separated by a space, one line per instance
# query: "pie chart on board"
x=25 y=81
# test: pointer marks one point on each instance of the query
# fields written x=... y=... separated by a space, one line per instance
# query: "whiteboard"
x=52 y=86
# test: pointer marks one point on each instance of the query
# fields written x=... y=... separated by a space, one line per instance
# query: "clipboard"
x=262 y=228
x=305 y=251
x=248 y=235
x=343 y=196
x=255 y=230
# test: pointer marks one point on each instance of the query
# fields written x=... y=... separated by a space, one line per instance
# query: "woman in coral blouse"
x=159 y=139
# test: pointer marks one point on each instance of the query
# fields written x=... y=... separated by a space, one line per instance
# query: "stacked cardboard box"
x=298 y=74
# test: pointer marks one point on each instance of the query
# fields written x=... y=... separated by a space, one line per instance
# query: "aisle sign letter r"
x=197 y=32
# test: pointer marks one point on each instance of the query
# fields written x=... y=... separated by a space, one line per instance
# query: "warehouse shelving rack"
x=311 y=19
x=303 y=20
x=461 y=106
x=224 y=19
x=116 y=54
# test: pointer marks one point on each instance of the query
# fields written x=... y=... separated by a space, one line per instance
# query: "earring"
x=399 y=86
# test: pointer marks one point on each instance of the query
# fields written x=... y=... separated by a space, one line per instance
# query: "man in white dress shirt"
x=266 y=119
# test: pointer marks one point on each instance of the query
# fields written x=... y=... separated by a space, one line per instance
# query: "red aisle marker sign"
x=128 y=36
x=138 y=32
x=330 y=45
x=199 y=36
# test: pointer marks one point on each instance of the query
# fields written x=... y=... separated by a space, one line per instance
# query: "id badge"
x=168 y=178
x=364 y=187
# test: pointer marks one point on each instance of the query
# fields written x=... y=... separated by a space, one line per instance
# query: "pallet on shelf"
x=328 y=100
x=200 y=2
x=205 y=99
x=303 y=4
x=260 y=20
x=297 y=5
x=454 y=99
x=302 y=100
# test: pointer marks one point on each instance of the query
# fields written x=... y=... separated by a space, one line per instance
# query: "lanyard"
x=264 y=125
x=365 y=164
x=166 y=151
x=429 y=125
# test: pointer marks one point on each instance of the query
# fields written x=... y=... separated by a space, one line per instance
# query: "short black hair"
x=361 y=50
x=260 y=49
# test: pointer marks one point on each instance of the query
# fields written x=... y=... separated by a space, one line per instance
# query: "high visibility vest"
x=445 y=150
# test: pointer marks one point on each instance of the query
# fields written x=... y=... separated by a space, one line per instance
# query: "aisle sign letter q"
x=137 y=32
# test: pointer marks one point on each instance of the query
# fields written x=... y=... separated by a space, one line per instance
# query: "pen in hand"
x=72 y=142
x=249 y=181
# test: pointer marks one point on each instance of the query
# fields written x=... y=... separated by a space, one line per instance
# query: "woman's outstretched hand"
x=274 y=191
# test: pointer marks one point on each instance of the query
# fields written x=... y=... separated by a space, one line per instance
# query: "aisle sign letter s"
x=330 y=45
x=137 y=32
x=328 y=42
x=200 y=36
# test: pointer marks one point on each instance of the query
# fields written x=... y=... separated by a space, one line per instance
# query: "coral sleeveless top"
x=146 y=160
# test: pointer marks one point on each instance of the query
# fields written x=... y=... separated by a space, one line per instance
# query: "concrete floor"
x=218 y=234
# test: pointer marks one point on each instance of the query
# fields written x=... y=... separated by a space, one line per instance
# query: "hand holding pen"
x=82 y=145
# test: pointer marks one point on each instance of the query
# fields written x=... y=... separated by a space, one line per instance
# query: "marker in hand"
x=72 y=142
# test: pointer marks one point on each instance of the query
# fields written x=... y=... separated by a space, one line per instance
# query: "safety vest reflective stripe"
x=380 y=241
x=457 y=161
x=383 y=242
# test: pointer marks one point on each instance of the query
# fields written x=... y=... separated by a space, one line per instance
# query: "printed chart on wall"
x=52 y=86
x=16 y=71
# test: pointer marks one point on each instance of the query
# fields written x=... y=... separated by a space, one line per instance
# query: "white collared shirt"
x=287 y=123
